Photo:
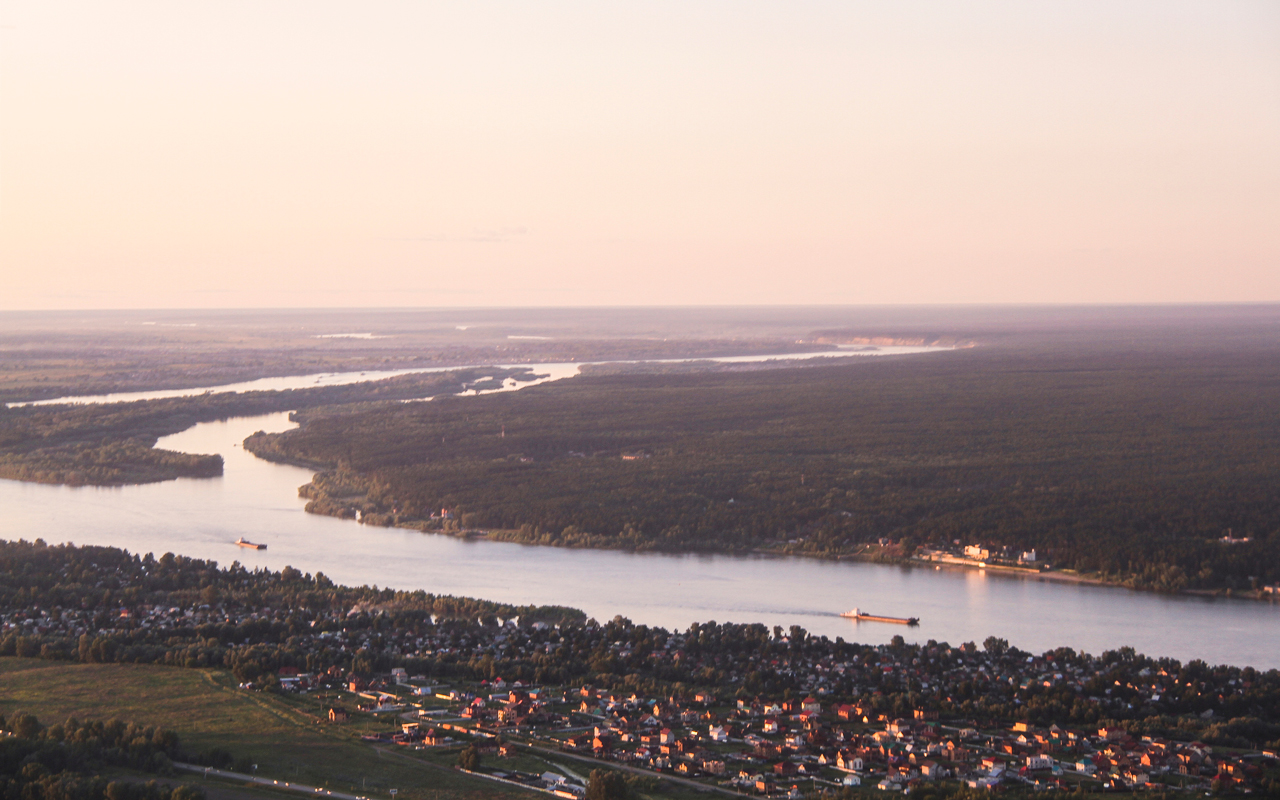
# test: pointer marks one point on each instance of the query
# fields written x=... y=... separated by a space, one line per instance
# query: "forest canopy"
x=1131 y=463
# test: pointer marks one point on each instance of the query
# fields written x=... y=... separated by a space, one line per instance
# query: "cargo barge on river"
x=246 y=543
x=862 y=616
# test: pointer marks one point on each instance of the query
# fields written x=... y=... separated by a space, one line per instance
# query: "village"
x=783 y=747
x=726 y=707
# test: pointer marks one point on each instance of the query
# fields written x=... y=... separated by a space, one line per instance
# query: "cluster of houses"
x=940 y=676
x=763 y=744
x=773 y=747
x=979 y=555
x=787 y=747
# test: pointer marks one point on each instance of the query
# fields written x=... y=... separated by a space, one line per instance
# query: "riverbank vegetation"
x=1130 y=464
x=114 y=444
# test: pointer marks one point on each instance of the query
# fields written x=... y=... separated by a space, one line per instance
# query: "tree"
x=605 y=784
x=469 y=758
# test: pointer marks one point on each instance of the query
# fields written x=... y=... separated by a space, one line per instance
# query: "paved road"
x=314 y=791
x=648 y=773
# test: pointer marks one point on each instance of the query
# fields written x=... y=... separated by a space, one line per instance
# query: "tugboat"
x=862 y=616
x=246 y=543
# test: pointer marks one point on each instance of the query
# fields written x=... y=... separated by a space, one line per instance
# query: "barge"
x=862 y=616
x=246 y=543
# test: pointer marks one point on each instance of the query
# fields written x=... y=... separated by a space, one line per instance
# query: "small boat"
x=243 y=542
x=862 y=616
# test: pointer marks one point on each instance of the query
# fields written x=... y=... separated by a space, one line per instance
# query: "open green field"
x=207 y=711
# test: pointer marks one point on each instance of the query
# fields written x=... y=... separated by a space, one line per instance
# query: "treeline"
x=65 y=761
x=66 y=588
x=90 y=578
x=1128 y=464
x=114 y=444
x=110 y=463
x=49 y=594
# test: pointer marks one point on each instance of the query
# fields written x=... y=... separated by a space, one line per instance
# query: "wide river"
x=258 y=500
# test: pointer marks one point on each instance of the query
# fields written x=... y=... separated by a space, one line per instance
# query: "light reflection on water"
x=258 y=500
x=550 y=372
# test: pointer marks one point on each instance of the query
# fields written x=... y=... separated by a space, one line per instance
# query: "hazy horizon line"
x=570 y=306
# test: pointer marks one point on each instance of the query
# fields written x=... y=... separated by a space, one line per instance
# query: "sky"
x=311 y=154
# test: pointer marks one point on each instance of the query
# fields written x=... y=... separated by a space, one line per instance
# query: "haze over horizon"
x=308 y=155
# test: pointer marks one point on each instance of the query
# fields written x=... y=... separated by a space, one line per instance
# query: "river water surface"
x=258 y=500
x=545 y=372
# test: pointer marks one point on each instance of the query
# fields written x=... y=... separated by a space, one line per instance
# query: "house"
x=717 y=733
x=433 y=738
x=1039 y=762
x=849 y=762
x=551 y=779
x=338 y=715
x=579 y=742
x=932 y=770
x=851 y=780
x=1136 y=777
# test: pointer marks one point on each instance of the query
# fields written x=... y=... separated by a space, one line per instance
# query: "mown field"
x=207 y=711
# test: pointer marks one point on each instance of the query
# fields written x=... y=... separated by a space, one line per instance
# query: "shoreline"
x=1057 y=576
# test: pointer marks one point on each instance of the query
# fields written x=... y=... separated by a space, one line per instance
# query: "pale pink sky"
x=221 y=154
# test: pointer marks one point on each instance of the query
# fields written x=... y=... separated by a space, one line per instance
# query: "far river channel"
x=258 y=500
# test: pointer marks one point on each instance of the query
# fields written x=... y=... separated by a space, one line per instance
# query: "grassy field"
x=207 y=711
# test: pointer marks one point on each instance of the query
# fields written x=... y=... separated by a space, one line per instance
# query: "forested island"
x=1129 y=464
x=1135 y=447
x=114 y=443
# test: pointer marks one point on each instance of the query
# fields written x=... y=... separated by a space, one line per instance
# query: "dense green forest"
x=66 y=761
x=113 y=444
x=1130 y=461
